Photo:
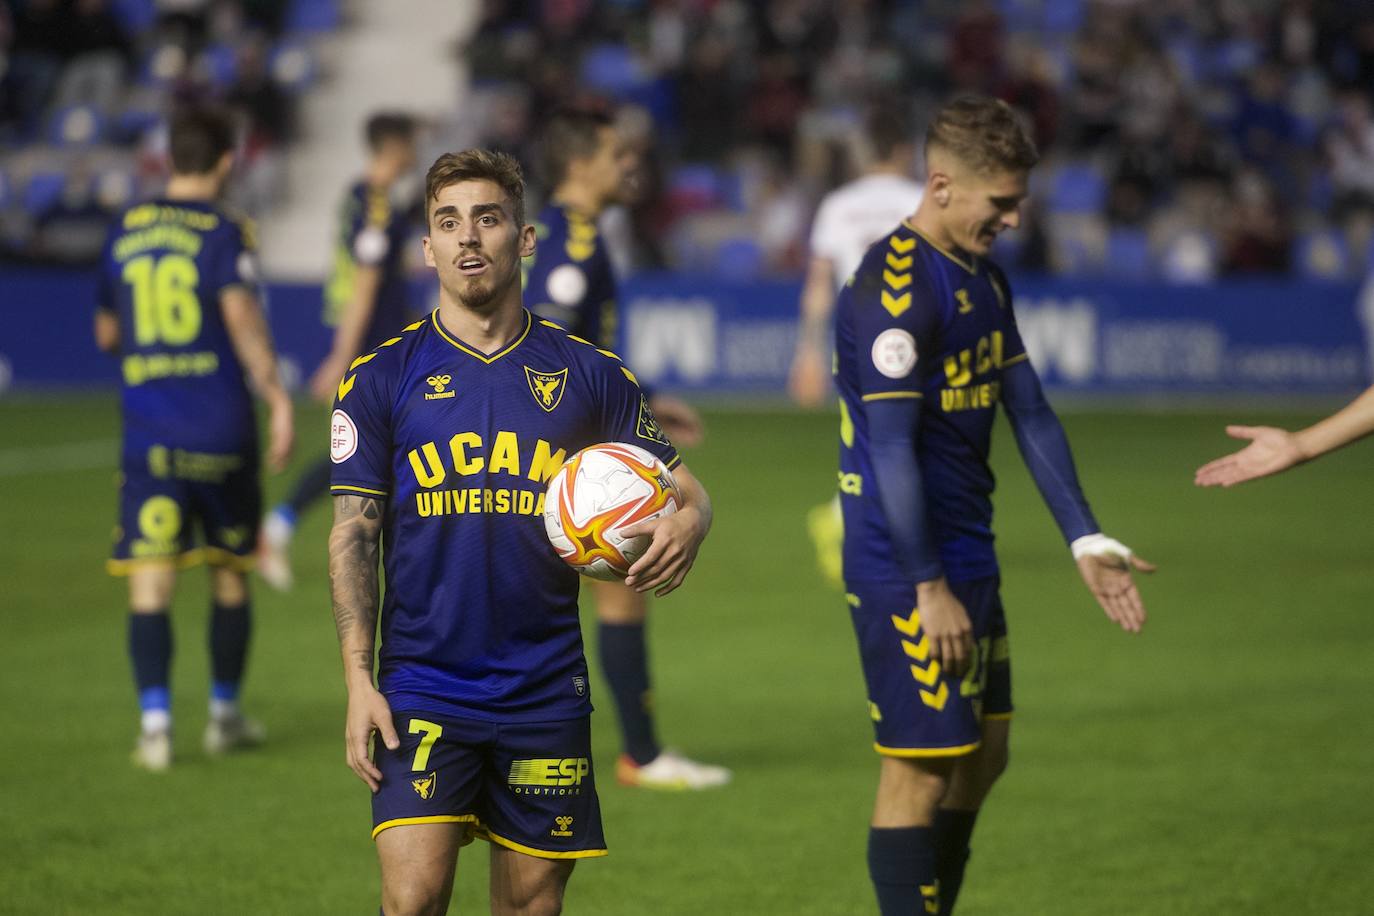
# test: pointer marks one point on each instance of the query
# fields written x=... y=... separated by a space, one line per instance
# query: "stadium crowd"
x=85 y=88
x=1182 y=140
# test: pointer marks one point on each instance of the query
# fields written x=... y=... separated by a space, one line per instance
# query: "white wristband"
x=1099 y=545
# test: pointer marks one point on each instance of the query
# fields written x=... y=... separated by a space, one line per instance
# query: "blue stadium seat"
x=1128 y=254
x=43 y=192
x=1077 y=188
x=313 y=16
x=220 y=64
x=698 y=185
x=612 y=69
x=1063 y=16
x=1322 y=255
x=133 y=123
x=739 y=259
x=135 y=15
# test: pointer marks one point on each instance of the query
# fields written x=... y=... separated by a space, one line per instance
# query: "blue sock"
x=901 y=862
x=230 y=626
x=625 y=662
x=150 y=649
x=952 y=832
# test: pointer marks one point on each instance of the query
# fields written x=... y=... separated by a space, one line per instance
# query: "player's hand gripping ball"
x=595 y=495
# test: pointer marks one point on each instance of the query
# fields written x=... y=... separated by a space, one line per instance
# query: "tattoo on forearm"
x=354 y=549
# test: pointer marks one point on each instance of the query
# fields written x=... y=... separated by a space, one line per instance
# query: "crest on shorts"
x=424 y=786
x=547 y=387
x=564 y=827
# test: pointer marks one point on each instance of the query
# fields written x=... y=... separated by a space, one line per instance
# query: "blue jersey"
x=570 y=280
x=479 y=618
x=163 y=269
x=372 y=233
x=919 y=322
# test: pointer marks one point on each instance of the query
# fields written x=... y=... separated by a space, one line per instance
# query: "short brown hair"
x=198 y=139
x=569 y=135
x=478 y=165
x=984 y=133
x=388 y=125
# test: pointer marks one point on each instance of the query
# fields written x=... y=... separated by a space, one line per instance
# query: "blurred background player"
x=1272 y=450
x=927 y=345
x=178 y=302
x=848 y=220
x=570 y=281
x=480 y=707
x=365 y=300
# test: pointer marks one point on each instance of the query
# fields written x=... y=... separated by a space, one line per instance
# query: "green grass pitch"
x=1220 y=763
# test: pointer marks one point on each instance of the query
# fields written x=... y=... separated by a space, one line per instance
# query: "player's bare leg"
x=621 y=612
x=523 y=885
x=418 y=862
x=151 y=586
x=901 y=849
x=230 y=627
x=973 y=778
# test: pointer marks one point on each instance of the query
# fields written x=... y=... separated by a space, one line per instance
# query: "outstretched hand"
x=1108 y=577
x=1270 y=450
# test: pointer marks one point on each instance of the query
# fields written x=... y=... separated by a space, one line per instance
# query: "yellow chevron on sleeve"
x=388 y=343
x=411 y=327
x=629 y=375
x=928 y=676
x=917 y=650
x=365 y=358
x=901 y=246
x=897 y=263
x=895 y=305
x=346 y=386
x=910 y=625
x=896 y=281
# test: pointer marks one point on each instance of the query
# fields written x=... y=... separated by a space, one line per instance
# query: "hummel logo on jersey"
x=965 y=303
x=424 y=786
x=564 y=827
x=547 y=387
x=438 y=383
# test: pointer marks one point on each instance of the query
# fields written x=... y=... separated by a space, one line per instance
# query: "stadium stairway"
x=377 y=60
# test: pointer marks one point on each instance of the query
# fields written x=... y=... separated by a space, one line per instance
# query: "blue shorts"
x=527 y=786
x=165 y=496
x=919 y=710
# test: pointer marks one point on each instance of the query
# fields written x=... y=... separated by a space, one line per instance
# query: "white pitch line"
x=74 y=456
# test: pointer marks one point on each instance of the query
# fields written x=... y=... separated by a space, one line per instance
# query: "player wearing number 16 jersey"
x=178 y=302
x=927 y=348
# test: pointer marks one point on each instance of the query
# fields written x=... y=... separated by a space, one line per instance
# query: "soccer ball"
x=595 y=494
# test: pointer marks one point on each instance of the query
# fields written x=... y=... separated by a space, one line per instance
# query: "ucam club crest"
x=547 y=387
